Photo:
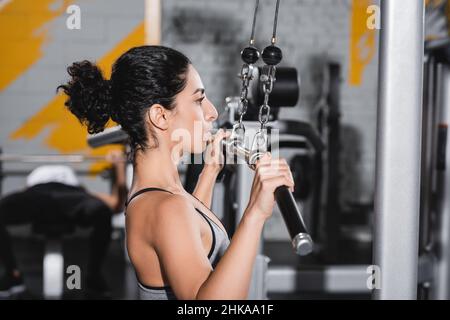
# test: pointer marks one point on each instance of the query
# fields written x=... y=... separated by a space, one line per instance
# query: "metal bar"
x=335 y=279
x=333 y=210
x=51 y=158
x=428 y=156
x=441 y=288
x=34 y=158
x=397 y=190
x=427 y=265
x=114 y=135
x=53 y=270
x=258 y=290
x=329 y=279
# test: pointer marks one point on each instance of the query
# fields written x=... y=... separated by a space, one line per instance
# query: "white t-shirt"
x=52 y=173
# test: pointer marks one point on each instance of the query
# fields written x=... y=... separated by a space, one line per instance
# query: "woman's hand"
x=213 y=156
x=269 y=175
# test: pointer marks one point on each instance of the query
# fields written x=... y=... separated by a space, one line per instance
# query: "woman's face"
x=192 y=119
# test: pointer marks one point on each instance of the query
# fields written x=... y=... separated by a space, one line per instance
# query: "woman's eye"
x=199 y=101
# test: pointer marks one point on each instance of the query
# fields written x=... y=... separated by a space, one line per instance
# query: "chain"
x=260 y=141
x=249 y=55
x=246 y=76
x=272 y=55
x=268 y=80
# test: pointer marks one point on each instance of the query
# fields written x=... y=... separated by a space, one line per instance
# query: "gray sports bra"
x=220 y=242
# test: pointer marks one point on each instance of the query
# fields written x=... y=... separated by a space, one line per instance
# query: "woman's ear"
x=157 y=115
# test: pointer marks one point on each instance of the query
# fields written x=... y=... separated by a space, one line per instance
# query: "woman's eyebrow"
x=202 y=90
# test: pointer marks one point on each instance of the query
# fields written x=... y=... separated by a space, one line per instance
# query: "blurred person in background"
x=51 y=188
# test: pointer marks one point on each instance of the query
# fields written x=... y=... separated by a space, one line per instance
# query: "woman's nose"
x=211 y=112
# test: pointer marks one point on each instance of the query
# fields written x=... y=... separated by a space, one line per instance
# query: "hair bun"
x=89 y=95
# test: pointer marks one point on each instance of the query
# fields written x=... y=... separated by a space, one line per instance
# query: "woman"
x=177 y=246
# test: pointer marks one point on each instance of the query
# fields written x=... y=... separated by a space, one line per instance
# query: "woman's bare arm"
x=177 y=241
x=232 y=275
x=179 y=246
x=214 y=162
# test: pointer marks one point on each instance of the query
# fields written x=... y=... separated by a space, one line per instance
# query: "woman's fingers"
x=283 y=172
x=269 y=168
x=218 y=137
x=272 y=183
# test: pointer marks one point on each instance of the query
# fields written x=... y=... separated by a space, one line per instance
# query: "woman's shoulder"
x=160 y=216
x=175 y=221
x=160 y=206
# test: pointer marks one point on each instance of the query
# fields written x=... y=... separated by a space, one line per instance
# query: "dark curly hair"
x=141 y=77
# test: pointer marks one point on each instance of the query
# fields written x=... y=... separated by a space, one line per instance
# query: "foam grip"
x=301 y=240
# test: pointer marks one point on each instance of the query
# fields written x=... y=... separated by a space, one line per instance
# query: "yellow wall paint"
x=66 y=134
x=24 y=30
x=362 y=41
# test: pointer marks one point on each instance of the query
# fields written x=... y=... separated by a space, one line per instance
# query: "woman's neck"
x=157 y=167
